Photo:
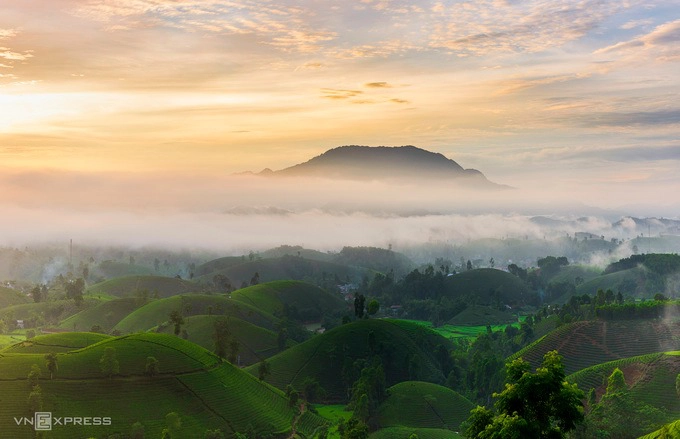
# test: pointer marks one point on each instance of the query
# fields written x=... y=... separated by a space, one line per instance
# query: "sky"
x=129 y=105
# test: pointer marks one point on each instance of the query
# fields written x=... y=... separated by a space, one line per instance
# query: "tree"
x=263 y=370
x=51 y=359
x=532 y=405
x=373 y=307
x=35 y=401
x=151 y=367
x=234 y=348
x=174 y=422
x=221 y=335
x=469 y=265
x=108 y=363
x=36 y=292
x=75 y=289
x=281 y=339
x=34 y=376
x=359 y=302
x=177 y=320
x=137 y=431
x=214 y=434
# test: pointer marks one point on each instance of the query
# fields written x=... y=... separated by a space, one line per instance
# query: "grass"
x=482 y=316
x=671 y=430
x=62 y=342
x=255 y=342
x=309 y=301
x=205 y=392
x=154 y=285
x=406 y=349
x=157 y=312
x=422 y=433
x=460 y=331
x=106 y=315
x=588 y=343
x=423 y=405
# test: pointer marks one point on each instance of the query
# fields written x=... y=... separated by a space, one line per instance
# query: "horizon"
x=124 y=112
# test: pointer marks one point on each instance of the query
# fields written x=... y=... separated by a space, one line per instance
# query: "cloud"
x=662 y=44
x=377 y=85
x=332 y=93
x=623 y=119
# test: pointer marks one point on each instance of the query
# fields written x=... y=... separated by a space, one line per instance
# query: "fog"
x=236 y=213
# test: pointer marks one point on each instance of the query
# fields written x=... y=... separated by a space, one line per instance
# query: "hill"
x=588 y=343
x=405 y=163
x=288 y=268
x=487 y=286
x=255 y=343
x=62 y=342
x=635 y=282
x=218 y=264
x=377 y=259
x=158 y=286
x=407 y=351
x=421 y=433
x=423 y=405
x=157 y=312
x=191 y=382
x=298 y=300
x=651 y=378
x=105 y=315
x=9 y=297
x=45 y=313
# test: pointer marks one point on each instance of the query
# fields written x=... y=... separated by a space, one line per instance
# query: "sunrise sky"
x=557 y=94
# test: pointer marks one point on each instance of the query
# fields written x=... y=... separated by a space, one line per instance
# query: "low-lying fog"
x=233 y=213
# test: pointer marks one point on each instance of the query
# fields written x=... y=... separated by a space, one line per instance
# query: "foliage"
x=532 y=405
x=52 y=366
x=108 y=363
x=151 y=368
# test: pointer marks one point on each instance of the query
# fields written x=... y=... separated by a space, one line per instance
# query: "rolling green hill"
x=45 y=313
x=483 y=283
x=157 y=312
x=588 y=343
x=9 y=297
x=61 y=342
x=111 y=269
x=629 y=282
x=153 y=285
x=288 y=268
x=299 y=300
x=106 y=315
x=422 y=433
x=204 y=392
x=406 y=350
x=211 y=267
x=255 y=342
x=423 y=405
x=651 y=378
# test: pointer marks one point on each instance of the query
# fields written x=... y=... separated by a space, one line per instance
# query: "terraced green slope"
x=157 y=312
x=671 y=430
x=130 y=285
x=423 y=405
x=106 y=315
x=9 y=297
x=629 y=282
x=255 y=343
x=46 y=313
x=406 y=349
x=651 y=378
x=588 y=343
x=483 y=282
x=62 y=342
x=422 y=433
x=205 y=392
x=305 y=300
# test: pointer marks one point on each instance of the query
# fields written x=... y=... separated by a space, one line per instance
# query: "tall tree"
x=177 y=320
x=51 y=359
x=108 y=363
x=532 y=405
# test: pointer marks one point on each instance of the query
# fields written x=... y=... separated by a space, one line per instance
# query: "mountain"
x=384 y=163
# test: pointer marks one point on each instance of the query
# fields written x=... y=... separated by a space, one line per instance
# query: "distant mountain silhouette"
x=400 y=163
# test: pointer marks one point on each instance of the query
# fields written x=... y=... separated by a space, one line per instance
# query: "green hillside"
x=422 y=433
x=111 y=269
x=255 y=343
x=376 y=259
x=300 y=300
x=671 y=430
x=571 y=273
x=218 y=264
x=631 y=282
x=484 y=283
x=651 y=378
x=288 y=268
x=153 y=285
x=192 y=383
x=45 y=313
x=406 y=350
x=157 y=312
x=61 y=342
x=9 y=297
x=588 y=343
x=423 y=405
x=106 y=315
